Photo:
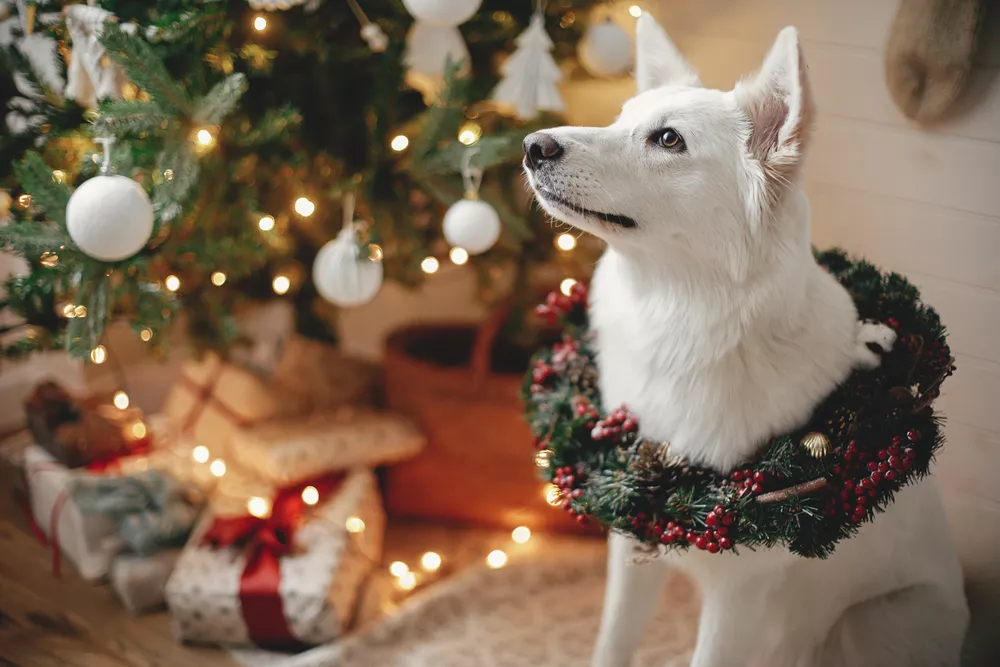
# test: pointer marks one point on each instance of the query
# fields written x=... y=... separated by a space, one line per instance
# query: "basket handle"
x=486 y=336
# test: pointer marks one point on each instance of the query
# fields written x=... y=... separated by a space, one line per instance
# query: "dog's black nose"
x=540 y=147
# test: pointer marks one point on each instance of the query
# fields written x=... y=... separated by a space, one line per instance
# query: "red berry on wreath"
x=711 y=520
x=701 y=542
x=913 y=435
x=725 y=543
x=713 y=547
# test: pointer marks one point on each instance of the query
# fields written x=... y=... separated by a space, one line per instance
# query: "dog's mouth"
x=611 y=218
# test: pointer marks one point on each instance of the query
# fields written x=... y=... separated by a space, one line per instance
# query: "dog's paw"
x=874 y=340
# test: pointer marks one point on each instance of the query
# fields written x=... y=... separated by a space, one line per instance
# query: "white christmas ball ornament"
x=472 y=224
x=110 y=218
x=605 y=50
x=442 y=12
x=343 y=275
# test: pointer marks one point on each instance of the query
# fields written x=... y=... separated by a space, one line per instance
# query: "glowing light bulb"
x=399 y=143
x=80 y=311
x=496 y=559
x=24 y=201
x=304 y=207
x=69 y=311
x=565 y=242
x=635 y=11
x=266 y=223
x=218 y=278
x=521 y=534
x=542 y=458
x=258 y=507
x=398 y=568
x=172 y=283
x=260 y=24
x=459 y=255
x=310 y=495
x=430 y=265
x=407 y=581
x=146 y=335
x=59 y=176
x=200 y=454
x=470 y=133
x=99 y=354
x=49 y=259
x=566 y=286
x=553 y=495
x=204 y=138
x=375 y=252
x=355 y=525
x=139 y=430
x=430 y=562
x=281 y=284
x=218 y=467
x=121 y=400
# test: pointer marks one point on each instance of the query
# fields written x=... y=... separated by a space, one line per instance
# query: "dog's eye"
x=668 y=138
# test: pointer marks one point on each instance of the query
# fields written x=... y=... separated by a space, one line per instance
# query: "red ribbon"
x=205 y=395
x=267 y=540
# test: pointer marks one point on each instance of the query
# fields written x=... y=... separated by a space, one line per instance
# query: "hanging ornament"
x=370 y=32
x=342 y=273
x=91 y=76
x=605 y=50
x=434 y=40
x=530 y=74
x=471 y=223
x=109 y=217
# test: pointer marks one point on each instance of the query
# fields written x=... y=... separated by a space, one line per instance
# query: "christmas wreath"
x=807 y=489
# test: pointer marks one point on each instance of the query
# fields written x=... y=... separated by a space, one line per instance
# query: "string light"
x=542 y=458
x=49 y=259
x=398 y=568
x=521 y=534
x=430 y=265
x=281 y=284
x=218 y=278
x=304 y=207
x=635 y=11
x=430 y=562
x=458 y=255
x=146 y=335
x=218 y=468
x=565 y=242
x=355 y=525
x=266 y=223
x=310 y=495
x=200 y=454
x=69 y=311
x=407 y=581
x=80 y=311
x=496 y=559
x=566 y=285
x=99 y=354
x=121 y=400
x=470 y=133
x=375 y=252
x=399 y=143
x=260 y=24
x=139 y=430
x=258 y=507
x=204 y=138
x=172 y=282
x=24 y=201
x=59 y=176
x=553 y=496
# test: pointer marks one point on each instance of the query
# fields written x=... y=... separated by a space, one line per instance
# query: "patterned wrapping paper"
x=139 y=581
x=286 y=452
x=319 y=582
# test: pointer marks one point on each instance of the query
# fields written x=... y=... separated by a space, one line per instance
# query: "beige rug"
x=542 y=612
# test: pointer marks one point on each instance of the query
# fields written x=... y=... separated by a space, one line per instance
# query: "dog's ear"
x=657 y=60
x=778 y=101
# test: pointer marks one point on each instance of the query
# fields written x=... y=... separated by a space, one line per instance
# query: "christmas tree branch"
x=220 y=101
x=128 y=117
x=144 y=67
x=37 y=180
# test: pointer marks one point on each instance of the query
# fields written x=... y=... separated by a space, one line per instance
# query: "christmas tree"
x=251 y=131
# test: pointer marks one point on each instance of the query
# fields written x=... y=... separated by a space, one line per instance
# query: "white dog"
x=717 y=327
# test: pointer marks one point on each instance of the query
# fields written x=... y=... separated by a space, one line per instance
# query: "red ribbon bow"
x=267 y=539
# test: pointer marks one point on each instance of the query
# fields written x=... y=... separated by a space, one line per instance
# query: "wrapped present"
x=18 y=379
x=80 y=431
x=213 y=398
x=12 y=450
x=139 y=581
x=149 y=509
x=287 y=452
x=89 y=541
x=286 y=576
x=318 y=376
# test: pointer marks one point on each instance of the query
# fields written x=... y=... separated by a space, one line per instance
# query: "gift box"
x=318 y=376
x=12 y=450
x=286 y=576
x=90 y=542
x=213 y=398
x=287 y=452
x=18 y=379
x=139 y=581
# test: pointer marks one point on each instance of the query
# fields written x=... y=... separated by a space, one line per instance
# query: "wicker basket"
x=463 y=391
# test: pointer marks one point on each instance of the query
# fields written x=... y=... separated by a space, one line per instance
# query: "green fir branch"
x=48 y=194
x=129 y=117
x=220 y=101
x=145 y=69
x=179 y=168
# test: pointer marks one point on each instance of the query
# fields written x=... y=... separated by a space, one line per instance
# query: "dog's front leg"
x=633 y=593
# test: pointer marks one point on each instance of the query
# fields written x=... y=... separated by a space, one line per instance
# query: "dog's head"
x=682 y=166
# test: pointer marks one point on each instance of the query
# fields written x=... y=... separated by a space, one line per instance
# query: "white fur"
x=716 y=326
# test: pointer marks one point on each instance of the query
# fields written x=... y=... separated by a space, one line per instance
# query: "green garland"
x=806 y=490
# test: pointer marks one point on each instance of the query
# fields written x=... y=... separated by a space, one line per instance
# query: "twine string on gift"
x=267 y=539
x=205 y=396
